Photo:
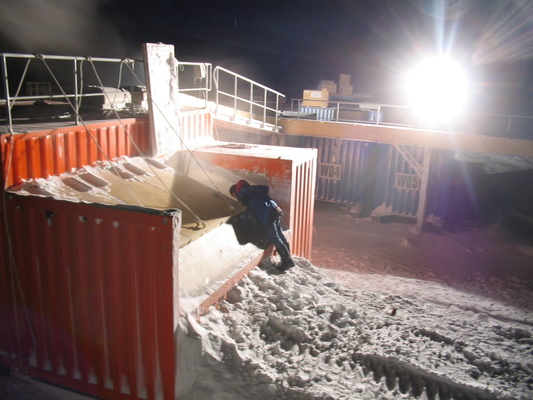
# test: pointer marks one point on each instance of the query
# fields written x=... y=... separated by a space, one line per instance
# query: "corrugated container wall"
x=343 y=167
x=298 y=174
x=322 y=113
x=377 y=174
x=47 y=153
x=80 y=306
x=401 y=199
x=398 y=184
x=54 y=152
x=440 y=183
x=302 y=206
x=194 y=125
x=88 y=297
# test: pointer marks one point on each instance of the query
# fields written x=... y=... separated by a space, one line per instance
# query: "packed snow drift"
x=321 y=334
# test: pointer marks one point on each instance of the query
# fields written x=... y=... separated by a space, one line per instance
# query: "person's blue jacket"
x=257 y=199
x=266 y=213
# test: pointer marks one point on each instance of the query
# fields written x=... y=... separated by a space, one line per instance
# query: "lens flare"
x=508 y=35
x=437 y=89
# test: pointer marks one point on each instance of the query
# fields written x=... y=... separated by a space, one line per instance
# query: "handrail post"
x=77 y=102
x=264 y=107
x=216 y=77
x=244 y=101
x=235 y=88
x=250 y=106
x=6 y=89
x=276 y=113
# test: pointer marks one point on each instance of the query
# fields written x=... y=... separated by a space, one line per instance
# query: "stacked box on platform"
x=330 y=86
x=344 y=79
x=345 y=88
x=315 y=98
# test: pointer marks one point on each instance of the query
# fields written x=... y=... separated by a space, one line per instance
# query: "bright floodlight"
x=437 y=89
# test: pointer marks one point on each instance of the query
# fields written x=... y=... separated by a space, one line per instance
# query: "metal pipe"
x=234 y=97
x=76 y=95
x=249 y=80
x=276 y=114
x=264 y=107
x=250 y=108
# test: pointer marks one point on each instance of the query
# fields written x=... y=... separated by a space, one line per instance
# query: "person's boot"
x=286 y=261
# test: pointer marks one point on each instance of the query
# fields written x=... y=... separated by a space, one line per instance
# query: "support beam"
x=422 y=201
x=409 y=136
x=162 y=85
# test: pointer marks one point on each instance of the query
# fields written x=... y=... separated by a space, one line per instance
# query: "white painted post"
x=421 y=216
x=162 y=87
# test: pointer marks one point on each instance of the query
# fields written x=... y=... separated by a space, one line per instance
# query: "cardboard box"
x=345 y=79
x=346 y=90
x=315 y=98
x=331 y=86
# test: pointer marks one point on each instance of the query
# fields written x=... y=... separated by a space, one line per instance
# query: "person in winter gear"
x=268 y=215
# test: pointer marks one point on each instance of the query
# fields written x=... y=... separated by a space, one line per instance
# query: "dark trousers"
x=277 y=238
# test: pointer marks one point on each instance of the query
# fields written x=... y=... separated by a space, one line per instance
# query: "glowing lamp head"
x=437 y=89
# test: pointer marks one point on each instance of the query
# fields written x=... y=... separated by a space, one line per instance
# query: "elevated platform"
x=408 y=136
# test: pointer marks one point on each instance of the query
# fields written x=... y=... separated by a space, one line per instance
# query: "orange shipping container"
x=88 y=289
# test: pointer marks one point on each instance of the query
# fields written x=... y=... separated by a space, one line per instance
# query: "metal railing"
x=70 y=81
x=365 y=112
x=88 y=84
x=196 y=80
x=245 y=100
x=79 y=85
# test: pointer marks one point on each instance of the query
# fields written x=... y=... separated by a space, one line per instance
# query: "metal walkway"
x=409 y=136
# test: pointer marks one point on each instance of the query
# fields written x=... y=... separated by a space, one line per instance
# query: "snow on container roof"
x=143 y=182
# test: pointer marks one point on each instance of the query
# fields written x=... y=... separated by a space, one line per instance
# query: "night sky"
x=292 y=45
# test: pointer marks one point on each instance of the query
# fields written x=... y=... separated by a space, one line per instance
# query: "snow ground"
x=378 y=313
x=390 y=315
x=304 y=336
